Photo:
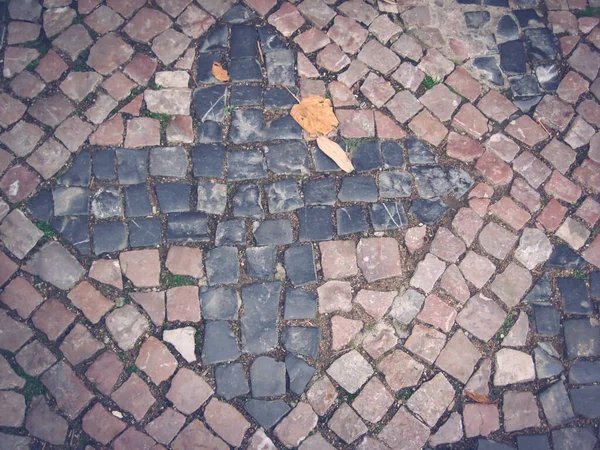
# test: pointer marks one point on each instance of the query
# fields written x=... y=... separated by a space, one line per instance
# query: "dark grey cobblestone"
x=300 y=265
x=220 y=344
x=267 y=413
x=145 y=232
x=259 y=321
x=351 y=219
x=222 y=266
x=231 y=381
x=220 y=303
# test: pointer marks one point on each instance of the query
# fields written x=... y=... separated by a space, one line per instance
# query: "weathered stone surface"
x=54 y=264
x=45 y=424
x=350 y=371
x=70 y=393
x=513 y=366
x=480 y=419
x=404 y=431
x=296 y=425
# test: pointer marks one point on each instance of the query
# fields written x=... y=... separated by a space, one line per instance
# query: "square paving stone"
x=222 y=265
x=351 y=219
x=279 y=98
x=168 y=162
x=367 y=157
x=104 y=165
x=582 y=337
x=283 y=196
x=584 y=372
x=231 y=232
x=173 y=197
x=273 y=232
x=187 y=227
x=541 y=45
x=250 y=95
x=219 y=303
x=69 y=391
x=204 y=67
x=245 y=70
x=109 y=237
x=284 y=128
x=209 y=103
x=299 y=304
x=547 y=319
x=513 y=59
x=231 y=381
x=209 y=160
x=418 y=152
x=132 y=167
x=300 y=265
x=70 y=201
x=358 y=189
x=243 y=42
x=41 y=206
x=107 y=202
x=431 y=181
x=303 y=341
x=324 y=163
x=316 y=223
x=75 y=230
x=541 y=291
x=80 y=172
x=582 y=438
x=35 y=358
x=53 y=318
x=260 y=262
x=247 y=202
x=220 y=344
x=395 y=184
x=270 y=39
x=145 y=232
x=137 y=201
x=290 y=158
x=428 y=211
x=586 y=401
x=387 y=216
x=212 y=197
x=556 y=404
x=247 y=126
x=266 y=413
x=246 y=165
x=299 y=372
x=260 y=318
x=267 y=377
x=393 y=155
x=575 y=296
x=321 y=191
x=215 y=40
x=564 y=257
x=534 y=442
x=210 y=132
x=280 y=68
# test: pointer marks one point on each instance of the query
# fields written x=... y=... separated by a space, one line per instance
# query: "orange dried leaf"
x=479 y=398
x=336 y=153
x=219 y=73
x=315 y=115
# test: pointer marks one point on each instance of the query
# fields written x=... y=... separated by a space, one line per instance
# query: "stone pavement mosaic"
x=181 y=266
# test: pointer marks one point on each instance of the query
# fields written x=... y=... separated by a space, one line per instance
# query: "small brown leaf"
x=336 y=153
x=479 y=398
x=315 y=115
x=219 y=73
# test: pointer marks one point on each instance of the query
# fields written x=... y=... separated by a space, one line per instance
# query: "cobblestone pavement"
x=181 y=267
